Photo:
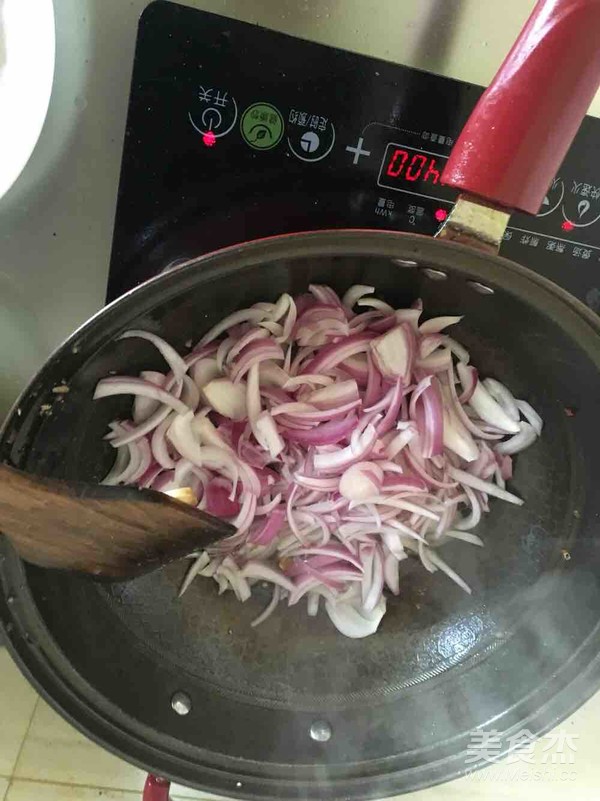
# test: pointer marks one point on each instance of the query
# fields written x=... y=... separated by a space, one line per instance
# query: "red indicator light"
x=440 y=215
x=209 y=139
x=567 y=226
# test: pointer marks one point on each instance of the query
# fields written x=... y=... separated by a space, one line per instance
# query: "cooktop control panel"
x=235 y=132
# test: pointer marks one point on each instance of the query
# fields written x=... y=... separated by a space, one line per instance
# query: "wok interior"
x=442 y=662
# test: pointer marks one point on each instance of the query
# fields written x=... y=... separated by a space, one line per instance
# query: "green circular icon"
x=262 y=126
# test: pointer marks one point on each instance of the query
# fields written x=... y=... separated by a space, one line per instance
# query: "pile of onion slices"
x=339 y=437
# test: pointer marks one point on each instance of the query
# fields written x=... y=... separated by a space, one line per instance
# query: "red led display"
x=408 y=165
x=415 y=172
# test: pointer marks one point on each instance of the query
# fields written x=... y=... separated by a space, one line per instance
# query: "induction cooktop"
x=235 y=132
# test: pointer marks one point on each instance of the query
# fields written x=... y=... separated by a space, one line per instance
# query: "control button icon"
x=310 y=142
x=358 y=150
x=303 y=140
x=553 y=199
x=213 y=114
x=262 y=126
x=581 y=205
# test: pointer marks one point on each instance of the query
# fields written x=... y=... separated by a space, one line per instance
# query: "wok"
x=293 y=709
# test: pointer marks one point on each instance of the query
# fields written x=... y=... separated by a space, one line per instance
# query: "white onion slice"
x=352 y=620
x=526 y=437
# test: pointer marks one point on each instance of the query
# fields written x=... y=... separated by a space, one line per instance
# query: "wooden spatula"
x=110 y=532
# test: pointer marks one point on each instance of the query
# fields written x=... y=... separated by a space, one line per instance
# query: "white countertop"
x=56 y=221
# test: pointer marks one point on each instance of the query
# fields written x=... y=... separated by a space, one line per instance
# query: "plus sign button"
x=358 y=151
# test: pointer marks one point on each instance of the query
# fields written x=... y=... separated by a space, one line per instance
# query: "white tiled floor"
x=42 y=758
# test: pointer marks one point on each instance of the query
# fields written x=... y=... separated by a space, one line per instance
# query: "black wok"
x=520 y=653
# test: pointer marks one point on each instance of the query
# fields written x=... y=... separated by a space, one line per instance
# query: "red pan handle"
x=156 y=789
x=516 y=138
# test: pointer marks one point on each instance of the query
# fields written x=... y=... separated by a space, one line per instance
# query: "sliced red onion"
x=357 y=368
x=504 y=397
x=415 y=464
x=144 y=461
x=243 y=316
x=355 y=293
x=432 y=432
x=312 y=605
x=391 y=573
x=269 y=609
x=393 y=353
x=332 y=355
x=532 y=417
x=258 y=570
x=390 y=418
x=320 y=484
x=443 y=566
x=372 y=452
x=437 y=324
x=399 y=442
x=452 y=400
x=144 y=407
x=159 y=447
x=137 y=432
x=268 y=434
x=457 y=438
x=324 y=294
x=375 y=303
x=351 y=619
x=430 y=343
x=176 y=364
x=399 y=503
x=485 y=406
x=229 y=570
x=526 y=437
x=458 y=350
x=469 y=382
x=128 y=385
x=361 y=480
x=324 y=434
x=306 y=413
x=190 y=394
x=290 y=320
x=226 y=398
x=217 y=500
x=203 y=371
x=410 y=316
x=334 y=395
x=256 y=352
x=374 y=590
x=437 y=362
x=114 y=475
x=299 y=380
x=271 y=374
x=483 y=486
x=270 y=529
x=198 y=564
x=396 y=483
x=246 y=339
x=342 y=458
x=245 y=516
x=464 y=536
x=222 y=352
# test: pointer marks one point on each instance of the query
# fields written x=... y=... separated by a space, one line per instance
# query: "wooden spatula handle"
x=107 y=531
